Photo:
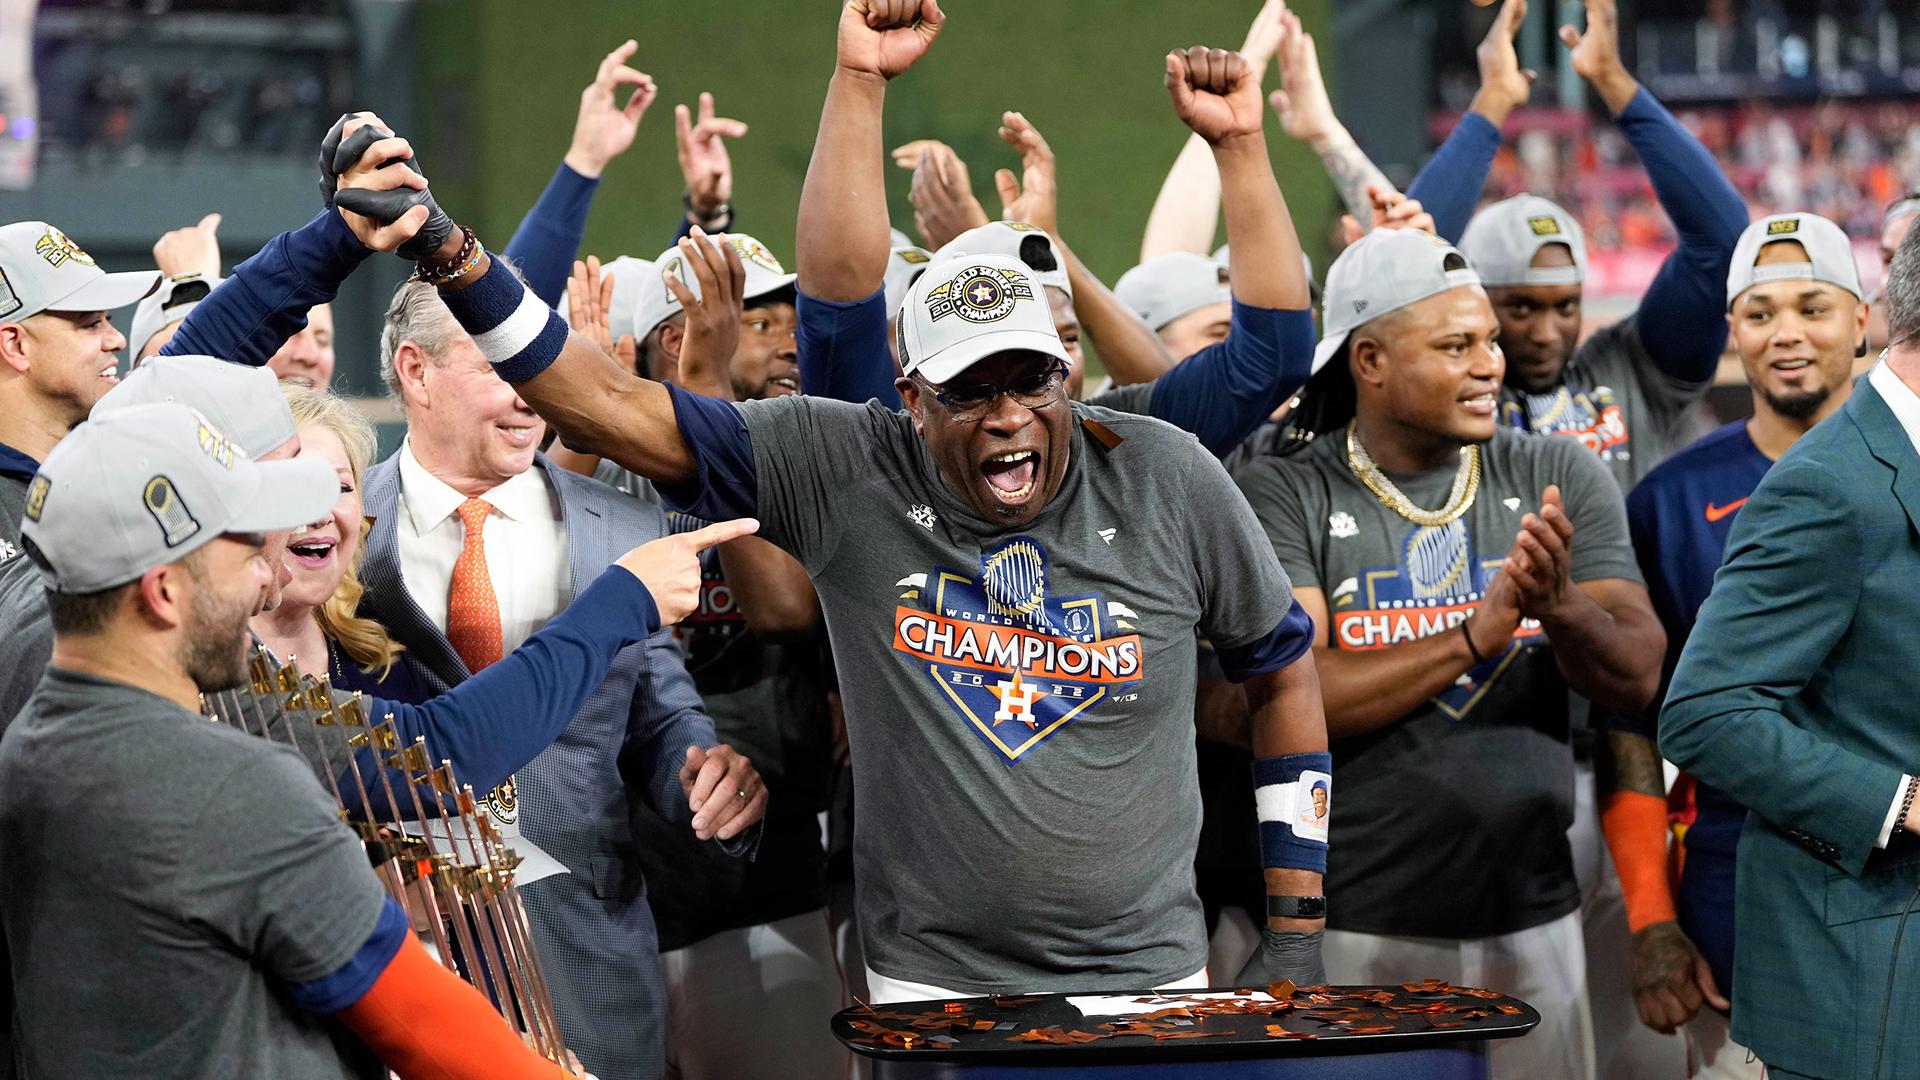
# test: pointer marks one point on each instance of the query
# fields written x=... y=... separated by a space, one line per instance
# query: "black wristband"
x=1471 y=651
x=1296 y=907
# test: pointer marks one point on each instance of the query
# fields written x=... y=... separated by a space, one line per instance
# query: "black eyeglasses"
x=969 y=403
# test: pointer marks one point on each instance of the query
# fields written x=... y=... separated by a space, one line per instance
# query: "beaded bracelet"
x=1906 y=805
x=462 y=263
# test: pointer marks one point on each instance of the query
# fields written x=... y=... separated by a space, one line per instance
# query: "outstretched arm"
x=841 y=235
x=1682 y=319
x=1450 y=183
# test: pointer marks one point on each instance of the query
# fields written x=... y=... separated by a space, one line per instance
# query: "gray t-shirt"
x=162 y=880
x=1452 y=821
x=1615 y=401
x=1019 y=700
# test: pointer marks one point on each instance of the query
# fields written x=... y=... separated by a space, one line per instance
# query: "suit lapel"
x=583 y=514
x=387 y=598
x=1890 y=443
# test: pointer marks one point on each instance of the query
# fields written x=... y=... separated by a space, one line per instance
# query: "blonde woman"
x=315 y=623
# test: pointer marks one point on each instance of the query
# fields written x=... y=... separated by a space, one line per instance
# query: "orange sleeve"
x=428 y=1024
x=1635 y=825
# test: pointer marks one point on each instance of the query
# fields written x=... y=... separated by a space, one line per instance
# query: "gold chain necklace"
x=1466 y=484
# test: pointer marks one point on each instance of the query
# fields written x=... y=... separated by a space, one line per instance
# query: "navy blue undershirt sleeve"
x=843 y=349
x=548 y=239
x=1449 y=185
x=1224 y=392
x=726 y=483
x=495 y=722
x=1289 y=640
x=247 y=317
x=349 y=984
x=1682 y=318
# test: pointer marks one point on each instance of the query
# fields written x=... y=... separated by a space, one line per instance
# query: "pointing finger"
x=722 y=531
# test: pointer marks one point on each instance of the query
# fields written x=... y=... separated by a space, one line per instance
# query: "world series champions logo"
x=1017 y=664
x=1436 y=587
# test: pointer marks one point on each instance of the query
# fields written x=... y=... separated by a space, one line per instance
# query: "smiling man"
x=58 y=351
x=1011 y=597
x=1462 y=577
x=1798 y=322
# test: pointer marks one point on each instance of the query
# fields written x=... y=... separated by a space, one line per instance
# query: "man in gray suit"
x=477 y=541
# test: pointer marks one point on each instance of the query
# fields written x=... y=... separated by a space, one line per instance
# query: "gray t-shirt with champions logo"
x=1019 y=701
x=1452 y=820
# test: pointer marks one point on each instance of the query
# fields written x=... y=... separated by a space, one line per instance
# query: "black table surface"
x=1315 y=1020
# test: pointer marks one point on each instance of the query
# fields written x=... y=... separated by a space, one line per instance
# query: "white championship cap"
x=243 y=401
x=657 y=303
x=171 y=302
x=1011 y=238
x=1172 y=284
x=150 y=484
x=963 y=310
x=42 y=270
x=1384 y=271
x=1825 y=244
x=1501 y=241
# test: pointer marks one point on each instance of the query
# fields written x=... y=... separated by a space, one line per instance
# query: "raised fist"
x=1215 y=92
x=886 y=37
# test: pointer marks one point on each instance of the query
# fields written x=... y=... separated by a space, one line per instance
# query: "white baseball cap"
x=1011 y=238
x=176 y=297
x=963 y=310
x=1384 y=271
x=904 y=265
x=149 y=485
x=1826 y=245
x=1501 y=241
x=765 y=275
x=243 y=401
x=1172 y=284
x=42 y=270
x=631 y=276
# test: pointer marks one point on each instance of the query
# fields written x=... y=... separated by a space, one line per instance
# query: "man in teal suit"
x=1796 y=696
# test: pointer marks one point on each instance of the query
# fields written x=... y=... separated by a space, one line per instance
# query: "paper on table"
x=1132 y=1005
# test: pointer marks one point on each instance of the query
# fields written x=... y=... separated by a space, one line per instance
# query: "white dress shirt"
x=1906 y=409
x=526 y=547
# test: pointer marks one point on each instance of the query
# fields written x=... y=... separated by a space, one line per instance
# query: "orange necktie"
x=473 y=611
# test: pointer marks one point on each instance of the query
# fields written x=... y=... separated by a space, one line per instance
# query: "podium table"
x=1431 y=1030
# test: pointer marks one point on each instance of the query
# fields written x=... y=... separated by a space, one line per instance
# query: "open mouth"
x=1011 y=476
x=111 y=371
x=1791 y=365
x=519 y=437
x=1480 y=404
x=312 y=552
x=783 y=385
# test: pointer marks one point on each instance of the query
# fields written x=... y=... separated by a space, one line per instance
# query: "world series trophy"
x=450 y=872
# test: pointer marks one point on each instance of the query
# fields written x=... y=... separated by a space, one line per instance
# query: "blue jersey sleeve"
x=548 y=239
x=1224 y=392
x=1290 y=639
x=247 y=317
x=843 y=349
x=498 y=720
x=725 y=484
x=1682 y=318
x=1450 y=184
